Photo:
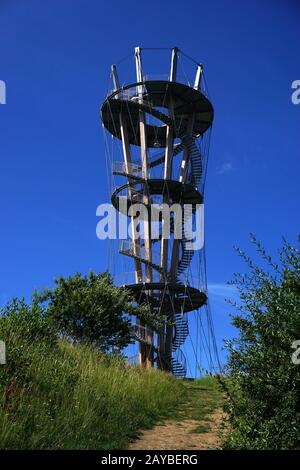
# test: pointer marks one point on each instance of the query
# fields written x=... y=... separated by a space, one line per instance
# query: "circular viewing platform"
x=169 y=297
x=154 y=100
x=138 y=191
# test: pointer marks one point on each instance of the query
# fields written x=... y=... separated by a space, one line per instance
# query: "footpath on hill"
x=195 y=426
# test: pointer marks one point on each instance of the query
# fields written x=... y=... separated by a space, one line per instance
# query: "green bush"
x=91 y=309
x=263 y=383
x=54 y=395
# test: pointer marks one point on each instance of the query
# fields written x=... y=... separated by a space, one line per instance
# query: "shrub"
x=263 y=384
x=91 y=309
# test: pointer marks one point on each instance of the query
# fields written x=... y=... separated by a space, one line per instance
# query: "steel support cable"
x=185 y=75
x=114 y=125
x=188 y=57
x=195 y=355
x=108 y=179
x=108 y=154
x=206 y=91
x=154 y=127
x=161 y=358
x=196 y=315
x=208 y=335
x=214 y=338
x=162 y=297
x=207 y=352
x=215 y=364
x=208 y=347
x=188 y=364
x=208 y=314
x=164 y=101
x=207 y=153
x=131 y=122
x=124 y=58
x=200 y=345
x=173 y=315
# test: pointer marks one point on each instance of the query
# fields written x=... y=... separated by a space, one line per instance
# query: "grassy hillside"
x=57 y=396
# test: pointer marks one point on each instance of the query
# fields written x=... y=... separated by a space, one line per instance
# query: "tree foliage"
x=264 y=384
x=91 y=309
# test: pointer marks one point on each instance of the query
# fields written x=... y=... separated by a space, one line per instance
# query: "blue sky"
x=55 y=58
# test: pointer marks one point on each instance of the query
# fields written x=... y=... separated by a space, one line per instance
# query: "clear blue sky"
x=55 y=58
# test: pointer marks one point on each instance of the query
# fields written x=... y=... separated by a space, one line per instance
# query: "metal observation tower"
x=157 y=132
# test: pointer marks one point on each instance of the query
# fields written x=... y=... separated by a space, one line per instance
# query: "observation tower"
x=157 y=132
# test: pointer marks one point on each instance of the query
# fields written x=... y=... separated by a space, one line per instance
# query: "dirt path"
x=196 y=426
x=172 y=435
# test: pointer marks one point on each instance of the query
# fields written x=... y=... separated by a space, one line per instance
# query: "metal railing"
x=127 y=247
x=132 y=169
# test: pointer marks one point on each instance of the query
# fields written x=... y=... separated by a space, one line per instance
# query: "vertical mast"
x=146 y=356
x=169 y=156
x=127 y=160
x=165 y=337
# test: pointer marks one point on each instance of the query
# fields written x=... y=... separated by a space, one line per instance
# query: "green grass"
x=74 y=399
x=57 y=396
x=202 y=429
x=204 y=396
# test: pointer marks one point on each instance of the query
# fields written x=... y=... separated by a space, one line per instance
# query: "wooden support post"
x=149 y=360
x=127 y=160
x=168 y=160
x=165 y=336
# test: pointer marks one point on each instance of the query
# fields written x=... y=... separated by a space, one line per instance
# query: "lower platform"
x=167 y=298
